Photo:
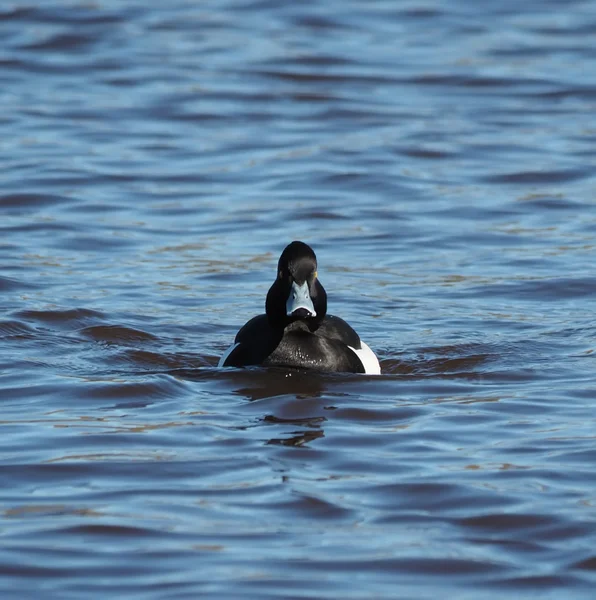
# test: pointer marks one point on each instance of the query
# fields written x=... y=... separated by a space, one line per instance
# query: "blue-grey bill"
x=300 y=298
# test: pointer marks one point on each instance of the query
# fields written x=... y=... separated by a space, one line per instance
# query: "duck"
x=296 y=332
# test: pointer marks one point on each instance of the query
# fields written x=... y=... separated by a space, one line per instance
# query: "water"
x=440 y=159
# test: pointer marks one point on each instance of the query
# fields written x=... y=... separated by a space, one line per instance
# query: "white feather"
x=227 y=353
x=368 y=359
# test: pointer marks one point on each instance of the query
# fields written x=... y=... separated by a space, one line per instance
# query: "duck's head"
x=296 y=293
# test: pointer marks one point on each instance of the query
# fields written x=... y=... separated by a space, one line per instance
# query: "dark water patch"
x=41 y=227
x=10 y=329
x=422 y=497
x=90 y=243
x=47 y=510
x=421 y=12
x=549 y=176
x=317 y=22
x=62 y=42
x=117 y=334
x=304 y=506
x=501 y=523
x=151 y=390
x=100 y=208
x=67 y=319
x=18 y=204
x=426 y=153
x=86 y=473
x=450 y=366
x=10 y=284
x=422 y=503
x=41 y=472
x=304 y=77
x=44 y=66
x=73 y=15
x=588 y=564
x=477 y=81
x=522 y=547
x=312 y=60
x=573 y=92
x=463 y=360
x=146 y=360
x=542 y=582
x=10 y=569
x=574 y=28
x=540 y=202
x=325 y=216
x=399 y=367
x=387 y=415
x=312 y=98
x=540 y=290
x=15 y=13
x=518 y=51
x=111 y=531
x=412 y=567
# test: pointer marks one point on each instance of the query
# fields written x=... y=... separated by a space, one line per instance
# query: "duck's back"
x=303 y=349
x=328 y=347
x=334 y=328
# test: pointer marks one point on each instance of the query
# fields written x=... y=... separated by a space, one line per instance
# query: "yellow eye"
x=315 y=275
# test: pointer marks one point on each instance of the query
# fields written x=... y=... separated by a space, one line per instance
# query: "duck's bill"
x=299 y=303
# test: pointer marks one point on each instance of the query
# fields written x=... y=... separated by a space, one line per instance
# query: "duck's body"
x=333 y=346
x=296 y=331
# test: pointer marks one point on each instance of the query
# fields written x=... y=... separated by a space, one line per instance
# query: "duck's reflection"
x=295 y=398
x=301 y=438
x=292 y=398
x=258 y=383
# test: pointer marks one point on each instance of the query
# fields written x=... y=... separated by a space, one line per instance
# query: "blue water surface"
x=156 y=159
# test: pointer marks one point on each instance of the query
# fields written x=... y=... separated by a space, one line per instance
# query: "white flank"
x=227 y=353
x=368 y=359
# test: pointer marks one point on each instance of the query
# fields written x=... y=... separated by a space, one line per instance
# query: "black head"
x=296 y=293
